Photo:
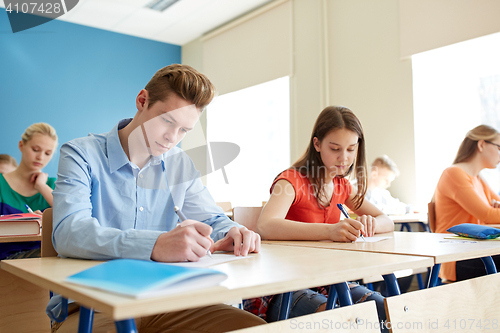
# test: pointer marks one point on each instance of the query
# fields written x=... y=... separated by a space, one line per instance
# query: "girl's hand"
x=369 y=223
x=347 y=230
x=495 y=204
x=39 y=179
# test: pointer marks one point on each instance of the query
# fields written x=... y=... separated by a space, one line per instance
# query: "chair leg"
x=86 y=320
x=392 y=284
x=434 y=276
x=126 y=326
x=420 y=281
x=344 y=294
x=489 y=264
x=286 y=302
x=332 y=297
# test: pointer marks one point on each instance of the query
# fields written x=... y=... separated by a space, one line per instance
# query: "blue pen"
x=183 y=217
x=342 y=209
x=28 y=208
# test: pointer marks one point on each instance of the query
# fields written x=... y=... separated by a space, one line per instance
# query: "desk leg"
x=433 y=280
x=86 y=320
x=332 y=298
x=405 y=225
x=286 y=303
x=392 y=285
x=425 y=226
x=489 y=264
x=344 y=294
x=126 y=326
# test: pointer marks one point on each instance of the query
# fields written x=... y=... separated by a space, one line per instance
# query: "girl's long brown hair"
x=311 y=165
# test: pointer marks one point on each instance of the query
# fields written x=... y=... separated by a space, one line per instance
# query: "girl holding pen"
x=303 y=204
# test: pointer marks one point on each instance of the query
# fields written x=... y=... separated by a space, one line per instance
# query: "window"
x=455 y=88
x=257 y=119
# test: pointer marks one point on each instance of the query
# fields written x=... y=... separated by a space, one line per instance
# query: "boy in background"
x=382 y=174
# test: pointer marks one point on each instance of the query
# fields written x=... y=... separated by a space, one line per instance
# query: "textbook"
x=23 y=224
x=141 y=279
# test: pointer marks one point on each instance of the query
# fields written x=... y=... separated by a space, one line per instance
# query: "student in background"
x=382 y=174
x=7 y=163
x=303 y=205
x=28 y=184
x=115 y=198
x=463 y=197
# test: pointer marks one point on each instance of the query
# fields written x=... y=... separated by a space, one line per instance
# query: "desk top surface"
x=276 y=269
x=412 y=243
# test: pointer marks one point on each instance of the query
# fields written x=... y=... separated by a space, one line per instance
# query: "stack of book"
x=22 y=224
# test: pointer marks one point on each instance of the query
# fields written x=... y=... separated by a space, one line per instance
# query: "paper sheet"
x=459 y=239
x=471 y=239
x=206 y=261
x=370 y=239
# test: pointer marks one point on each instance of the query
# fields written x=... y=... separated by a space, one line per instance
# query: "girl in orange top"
x=303 y=202
x=463 y=197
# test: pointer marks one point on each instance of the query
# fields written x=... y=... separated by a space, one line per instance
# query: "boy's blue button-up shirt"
x=105 y=207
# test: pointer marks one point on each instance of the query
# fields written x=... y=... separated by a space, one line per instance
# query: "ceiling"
x=179 y=24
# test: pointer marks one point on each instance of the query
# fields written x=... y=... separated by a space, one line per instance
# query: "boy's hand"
x=240 y=240
x=189 y=242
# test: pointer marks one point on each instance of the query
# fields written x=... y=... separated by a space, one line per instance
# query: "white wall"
x=368 y=76
x=429 y=24
x=348 y=52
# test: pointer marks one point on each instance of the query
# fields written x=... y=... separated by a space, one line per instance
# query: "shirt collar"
x=116 y=155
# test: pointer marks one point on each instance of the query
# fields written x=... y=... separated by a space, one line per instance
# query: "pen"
x=342 y=209
x=181 y=215
x=28 y=208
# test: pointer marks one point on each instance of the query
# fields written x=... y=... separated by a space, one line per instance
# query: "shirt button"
x=141 y=175
x=141 y=208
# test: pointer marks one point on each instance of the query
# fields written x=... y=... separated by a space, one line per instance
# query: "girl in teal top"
x=27 y=184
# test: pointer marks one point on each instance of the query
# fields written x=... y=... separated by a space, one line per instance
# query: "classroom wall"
x=337 y=59
x=348 y=52
x=368 y=76
x=76 y=78
x=446 y=22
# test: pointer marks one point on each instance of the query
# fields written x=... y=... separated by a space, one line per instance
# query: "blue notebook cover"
x=140 y=279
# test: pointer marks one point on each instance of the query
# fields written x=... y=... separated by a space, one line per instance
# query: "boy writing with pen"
x=303 y=205
x=116 y=192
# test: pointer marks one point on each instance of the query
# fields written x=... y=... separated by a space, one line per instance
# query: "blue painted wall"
x=76 y=78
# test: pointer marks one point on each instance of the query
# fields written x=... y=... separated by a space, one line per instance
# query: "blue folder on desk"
x=140 y=279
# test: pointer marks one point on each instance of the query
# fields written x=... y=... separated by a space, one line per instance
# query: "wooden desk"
x=22 y=304
x=275 y=270
x=425 y=244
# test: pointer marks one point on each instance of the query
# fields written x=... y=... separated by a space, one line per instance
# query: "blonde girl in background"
x=28 y=184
